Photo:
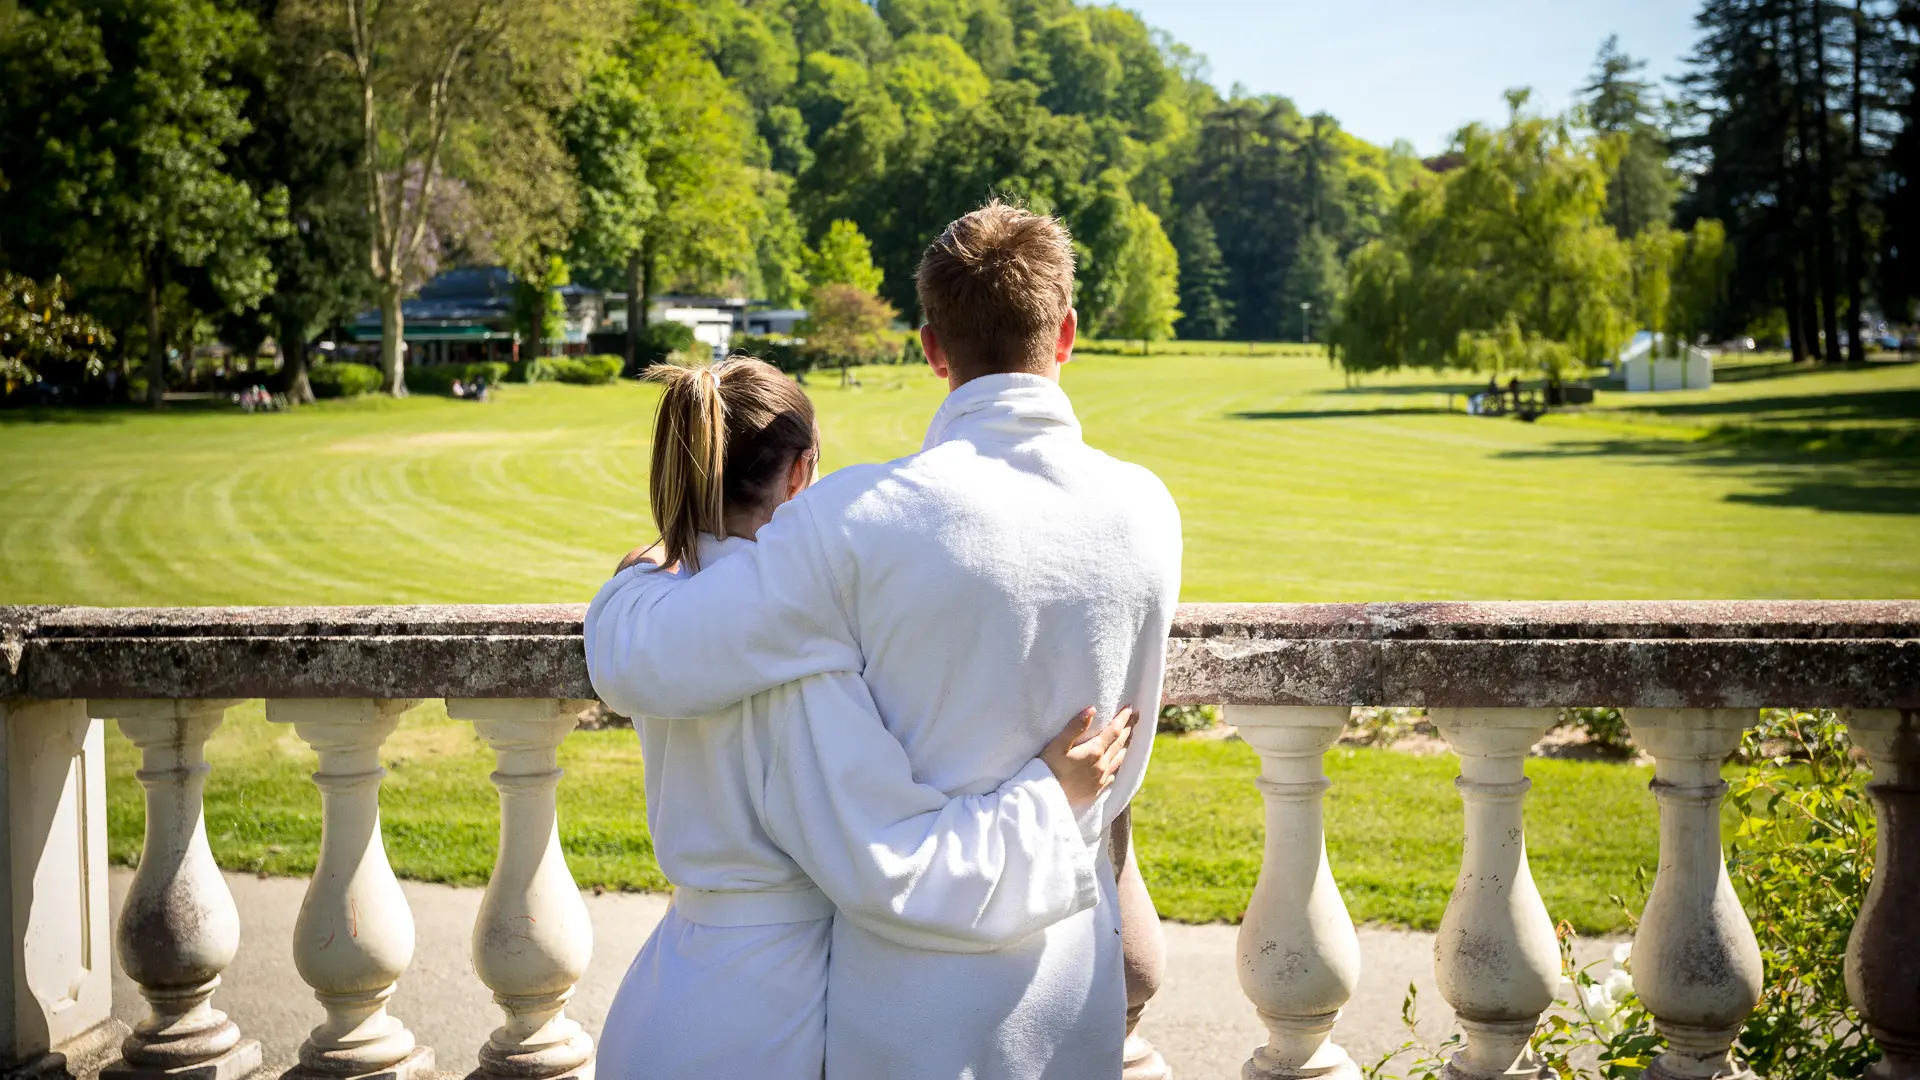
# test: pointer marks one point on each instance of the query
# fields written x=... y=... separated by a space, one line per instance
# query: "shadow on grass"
x=1742 y=372
x=43 y=415
x=1855 y=406
x=1858 y=471
x=1333 y=414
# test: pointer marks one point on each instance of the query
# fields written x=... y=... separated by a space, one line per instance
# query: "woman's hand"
x=1085 y=769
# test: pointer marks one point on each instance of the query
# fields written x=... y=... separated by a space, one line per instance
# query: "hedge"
x=343 y=378
x=586 y=370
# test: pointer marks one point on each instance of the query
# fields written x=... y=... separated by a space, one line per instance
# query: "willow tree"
x=1511 y=247
x=453 y=101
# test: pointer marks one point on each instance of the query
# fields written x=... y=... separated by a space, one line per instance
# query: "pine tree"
x=1203 y=277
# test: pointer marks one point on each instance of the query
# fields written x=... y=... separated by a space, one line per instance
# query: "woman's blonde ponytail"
x=688 y=485
x=725 y=440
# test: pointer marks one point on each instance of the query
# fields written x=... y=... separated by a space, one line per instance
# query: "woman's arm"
x=661 y=644
x=972 y=873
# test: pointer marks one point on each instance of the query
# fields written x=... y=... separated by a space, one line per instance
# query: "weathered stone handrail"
x=1683 y=654
x=1688 y=674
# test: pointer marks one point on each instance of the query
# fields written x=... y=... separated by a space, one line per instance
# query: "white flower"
x=1618 y=985
x=1623 y=954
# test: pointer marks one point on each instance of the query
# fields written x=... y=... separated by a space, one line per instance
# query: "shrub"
x=439 y=378
x=1186 y=719
x=530 y=370
x=660 y=340
x=1607 y=728
x=586 y=370
x=1803 y=855
x=343 y=378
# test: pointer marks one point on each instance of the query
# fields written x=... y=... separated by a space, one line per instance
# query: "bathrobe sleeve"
x=670 y=645
x=973 y=873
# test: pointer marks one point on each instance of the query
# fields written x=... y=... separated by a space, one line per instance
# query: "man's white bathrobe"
x=998 y=581
x=767 y=819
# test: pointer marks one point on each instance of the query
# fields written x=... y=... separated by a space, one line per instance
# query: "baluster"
x=56 y=988
x=1143 y=949
x=533 y=939
x=178 y=928
x=1299 y=957
x=1495 y=957
x=1696 y=964
x=1883 y=952
x=354 y=936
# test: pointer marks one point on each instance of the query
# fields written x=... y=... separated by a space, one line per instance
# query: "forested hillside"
x=902 y=115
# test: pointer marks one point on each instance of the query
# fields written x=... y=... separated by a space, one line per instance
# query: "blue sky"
x=1419 y=69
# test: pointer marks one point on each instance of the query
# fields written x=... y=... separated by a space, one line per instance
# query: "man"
x=1005 y=576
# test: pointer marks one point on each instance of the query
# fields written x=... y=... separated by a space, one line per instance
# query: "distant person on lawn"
x=1006 y=574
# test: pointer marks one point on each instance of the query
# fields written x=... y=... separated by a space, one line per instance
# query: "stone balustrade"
x=1493 y=676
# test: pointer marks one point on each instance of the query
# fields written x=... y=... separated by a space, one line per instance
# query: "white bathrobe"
x=989 y=586
x=802 y=785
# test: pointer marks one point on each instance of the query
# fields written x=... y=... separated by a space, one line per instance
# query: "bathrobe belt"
x=755 y=908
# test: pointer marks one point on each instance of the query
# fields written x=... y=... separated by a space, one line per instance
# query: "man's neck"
x=955 y=380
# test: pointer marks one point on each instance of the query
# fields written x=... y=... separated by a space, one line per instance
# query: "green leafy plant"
x=1384 y=726
x=342 y=378
x=36 y=326
x=1607 y=728
x=1186 y=719
x=586 y=370
x=1802 y=857
x=533 y=369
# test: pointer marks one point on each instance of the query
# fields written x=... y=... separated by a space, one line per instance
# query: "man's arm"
x=663 y=645
x=972 y=873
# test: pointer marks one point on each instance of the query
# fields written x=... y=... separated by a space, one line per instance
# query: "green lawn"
x=1292 y=488
x=1393 y=820
x=1776 y=483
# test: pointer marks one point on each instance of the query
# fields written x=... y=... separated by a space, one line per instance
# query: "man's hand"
x=1085 y=769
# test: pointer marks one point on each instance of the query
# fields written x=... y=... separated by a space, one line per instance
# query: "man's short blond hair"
x=995 y=287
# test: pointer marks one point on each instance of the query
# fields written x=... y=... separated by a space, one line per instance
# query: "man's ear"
x=936 y=356
x=1069 y=330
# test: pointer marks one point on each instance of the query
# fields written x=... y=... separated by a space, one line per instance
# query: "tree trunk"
x=1856 y=177
x=1796 y=325
x=156 y=340
x=634 y=313
x=1823 y=191
x=293 y=363
x=393 y=355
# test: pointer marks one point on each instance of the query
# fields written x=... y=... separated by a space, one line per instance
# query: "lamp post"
x=1304 y=308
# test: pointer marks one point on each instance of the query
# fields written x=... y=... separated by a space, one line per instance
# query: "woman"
x=798 y=803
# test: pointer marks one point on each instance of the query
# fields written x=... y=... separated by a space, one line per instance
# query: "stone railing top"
x=1655 y=654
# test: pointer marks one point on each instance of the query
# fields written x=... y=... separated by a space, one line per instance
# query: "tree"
x=120 y=125
x=1150 y=289
x=1316 y=279
x=450 y=96
x=843 y=257
x=320 y=262
x=1640 y=185
x=1203 y=278
x=36 y=328
x=847 y=325
x=1505 y=263
x=537 y=307
x=708 y=202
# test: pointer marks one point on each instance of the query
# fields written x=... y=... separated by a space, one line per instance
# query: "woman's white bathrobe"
x=984 y=588
x=802 y=785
